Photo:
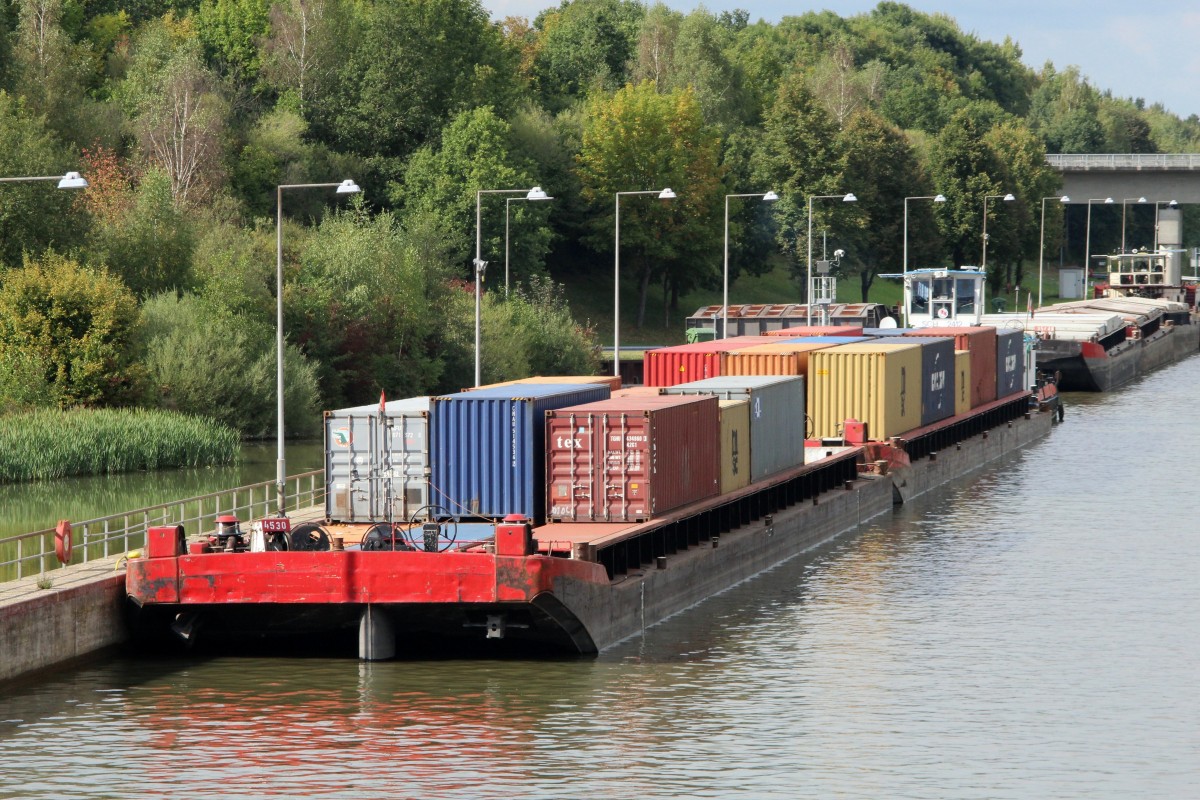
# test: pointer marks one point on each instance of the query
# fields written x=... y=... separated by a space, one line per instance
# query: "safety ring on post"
x=62 y=541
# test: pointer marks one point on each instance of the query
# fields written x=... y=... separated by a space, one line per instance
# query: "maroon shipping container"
x=981 y=343
x=631 y=458
x=668 y=366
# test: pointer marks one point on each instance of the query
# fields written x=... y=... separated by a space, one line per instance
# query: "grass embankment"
x=47 y=444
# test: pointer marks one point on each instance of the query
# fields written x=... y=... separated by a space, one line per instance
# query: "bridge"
x=1155 y=176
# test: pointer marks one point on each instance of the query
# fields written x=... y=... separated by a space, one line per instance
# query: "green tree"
x=476 y=152
x=584 y=45
x=798 y=155
x=230 y=31
x=50 y=67
x=879 y=158
x=148 y=242
x=367 y=305
x=300 y=52
x=78 y=325
x=177 y=113
x=415 y=64
x=1065 y=112
x=639 y=140
x=965 y=169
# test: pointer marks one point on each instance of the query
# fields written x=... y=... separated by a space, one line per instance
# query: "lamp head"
x=850 y=198
x=536 y=193
x=770 y=197
x=1064 y=199
x=1108 y=200
x=666 y=194
x=348 y=186
x=1008 y=198
x=941 y=198
x=1141 y=199
x=1173 y=204
x=72 y=180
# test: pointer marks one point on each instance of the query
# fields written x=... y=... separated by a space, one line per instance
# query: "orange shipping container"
x=818 y=330
x=981 y=343
x=878 y=383
x=668 y=366
x=789 y=358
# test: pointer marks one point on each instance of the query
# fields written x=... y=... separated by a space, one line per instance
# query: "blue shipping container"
x=937 y=375
x=1010 y=362
x=487 y=448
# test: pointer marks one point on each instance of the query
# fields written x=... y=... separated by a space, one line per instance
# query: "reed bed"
x=51 y=443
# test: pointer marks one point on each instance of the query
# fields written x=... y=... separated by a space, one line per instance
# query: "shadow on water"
x=39 y=505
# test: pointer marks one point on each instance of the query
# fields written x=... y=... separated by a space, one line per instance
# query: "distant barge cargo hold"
x=619 y=507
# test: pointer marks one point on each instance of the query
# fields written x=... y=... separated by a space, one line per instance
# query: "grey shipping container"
x=377 y=464
x=1010 y=362
x=777 y=416
x=487 y=447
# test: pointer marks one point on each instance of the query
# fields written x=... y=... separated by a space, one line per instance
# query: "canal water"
x=1031 y=632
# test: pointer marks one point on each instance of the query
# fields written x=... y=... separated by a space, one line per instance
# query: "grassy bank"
x=47 y=444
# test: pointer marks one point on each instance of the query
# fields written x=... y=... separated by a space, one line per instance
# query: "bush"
x=77 y=326
x=203 y=360
x=50 y=443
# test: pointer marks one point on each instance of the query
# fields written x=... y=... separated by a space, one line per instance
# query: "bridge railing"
x=1079 y=162
x=29 y=554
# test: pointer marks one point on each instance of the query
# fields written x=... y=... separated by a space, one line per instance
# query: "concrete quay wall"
x=80 y=615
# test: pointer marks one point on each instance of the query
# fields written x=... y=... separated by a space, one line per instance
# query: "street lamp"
x=1125 y=200
x=72 y=180
x=1042 y=241
x=937 y=198
x=1008 y=198
x=663 y=194
x=345 y=187
x=767 y=197
x=508 y=201
x=1087 y=238
x=535 y=193
x=845 y=198
x=1157 y=205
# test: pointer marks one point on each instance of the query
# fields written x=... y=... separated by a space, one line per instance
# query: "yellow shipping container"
x=785 y=358
x=613 y=382
x=962 y=381
x=878 y=383
x=735 y=444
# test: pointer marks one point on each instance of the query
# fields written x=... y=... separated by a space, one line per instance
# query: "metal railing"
x=1079 y=162
x=29 y=554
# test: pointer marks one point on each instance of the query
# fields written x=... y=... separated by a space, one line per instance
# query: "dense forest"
x=155 y=286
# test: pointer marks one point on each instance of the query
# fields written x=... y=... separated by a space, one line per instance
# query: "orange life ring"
x=62 y=541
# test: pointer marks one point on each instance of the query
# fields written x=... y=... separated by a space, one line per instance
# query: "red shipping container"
x=817 y=330
x=981 y=343
x=632 y=458
x=668 y=366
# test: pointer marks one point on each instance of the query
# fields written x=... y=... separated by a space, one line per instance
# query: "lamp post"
x=508 y=201
x=845 y=198
x=1125 y=200
x=1087 y=237
x=1042 y=241
x=663 y=194
x=937 y=198
x=535 y=193
x=1008 y=198
x=345 y=187
x=1157 y=205
x=71 y=180
x=767 y=197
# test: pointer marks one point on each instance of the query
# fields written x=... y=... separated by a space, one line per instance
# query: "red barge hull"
x=568 y=587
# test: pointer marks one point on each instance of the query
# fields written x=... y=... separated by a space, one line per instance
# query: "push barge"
x=626 y=521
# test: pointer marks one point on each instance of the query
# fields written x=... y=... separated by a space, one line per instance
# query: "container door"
x=405 y=459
